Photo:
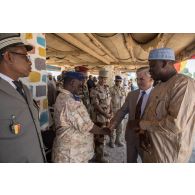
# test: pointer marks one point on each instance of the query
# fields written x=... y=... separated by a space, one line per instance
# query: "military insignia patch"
x=15 y=127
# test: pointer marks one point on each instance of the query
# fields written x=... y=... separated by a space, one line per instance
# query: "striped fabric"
x=10 y=41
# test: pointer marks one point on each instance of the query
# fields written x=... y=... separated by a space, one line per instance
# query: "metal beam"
x=129 y=45
x=101 y=46
x=69 y=38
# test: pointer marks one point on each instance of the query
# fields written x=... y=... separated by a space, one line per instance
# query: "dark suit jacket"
x=27 y=146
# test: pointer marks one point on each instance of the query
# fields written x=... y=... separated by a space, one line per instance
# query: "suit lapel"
x=132 y=99
x=7 y=88
x=26 y=92
x=135 y=98
x=147 y=102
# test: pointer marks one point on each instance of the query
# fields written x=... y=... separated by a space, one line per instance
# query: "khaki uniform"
x=118 y=95
x=73 y=141
x=100 y=95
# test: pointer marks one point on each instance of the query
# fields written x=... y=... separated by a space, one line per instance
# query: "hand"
x=110 y=126
x=134 y=124
x=144 y=141
x=107 y=130
x=108 y=116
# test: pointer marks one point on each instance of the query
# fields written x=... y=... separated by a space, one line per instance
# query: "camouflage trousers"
x=118 y=134
x=99 y=141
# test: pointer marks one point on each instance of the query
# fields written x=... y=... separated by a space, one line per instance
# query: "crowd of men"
x=87 y=114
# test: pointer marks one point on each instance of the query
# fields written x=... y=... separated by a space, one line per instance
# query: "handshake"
x=101 y=131
x=144 y=140
x=107 y=130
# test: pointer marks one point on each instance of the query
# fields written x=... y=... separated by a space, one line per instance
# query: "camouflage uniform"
x=100 y=95
x=85 y=92
x=73 y=141
x=118 y=95
x=85 y=98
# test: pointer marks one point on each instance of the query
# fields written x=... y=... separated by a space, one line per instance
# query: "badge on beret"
x=15 y=127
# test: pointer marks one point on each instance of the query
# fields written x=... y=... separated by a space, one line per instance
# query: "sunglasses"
x=27 y=57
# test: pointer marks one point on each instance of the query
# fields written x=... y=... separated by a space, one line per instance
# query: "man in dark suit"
x=134 y=106
x=20 y=136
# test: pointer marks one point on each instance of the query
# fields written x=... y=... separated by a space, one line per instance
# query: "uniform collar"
x=118 y=87
x=75 y=97
x=8 y=79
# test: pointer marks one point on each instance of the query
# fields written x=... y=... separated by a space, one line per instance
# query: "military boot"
x=112 y=140
x=118 y=142
x=112 y=144
x=106 y=154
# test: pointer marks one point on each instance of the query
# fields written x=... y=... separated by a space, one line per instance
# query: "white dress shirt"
x=145 y=98
x=8 y=79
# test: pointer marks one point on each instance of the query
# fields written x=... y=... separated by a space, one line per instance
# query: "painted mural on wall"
x=37 y=80
x=186 y=67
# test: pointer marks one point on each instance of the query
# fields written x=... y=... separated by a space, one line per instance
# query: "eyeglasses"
x=22 y=54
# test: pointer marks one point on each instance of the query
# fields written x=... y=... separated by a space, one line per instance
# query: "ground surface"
x=118 y=154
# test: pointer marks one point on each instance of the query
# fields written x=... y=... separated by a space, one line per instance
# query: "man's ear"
x=165 y=63
x=7 y=58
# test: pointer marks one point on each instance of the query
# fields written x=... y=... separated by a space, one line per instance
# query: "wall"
x=186 y=67
x=37 y=80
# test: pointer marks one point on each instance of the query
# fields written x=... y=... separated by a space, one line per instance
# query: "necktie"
x=139 y=105
x=77 y=97
x=19 y=88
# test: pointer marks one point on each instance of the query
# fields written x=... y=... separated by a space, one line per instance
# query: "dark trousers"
x=132 y=145
x=132 y=153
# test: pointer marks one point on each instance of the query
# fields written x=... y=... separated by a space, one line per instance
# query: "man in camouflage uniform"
x=101 y=99
x=85 y=92
x=118 y=95
x=74 y=141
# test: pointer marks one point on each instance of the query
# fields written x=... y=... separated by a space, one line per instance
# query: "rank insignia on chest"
x=15 y=127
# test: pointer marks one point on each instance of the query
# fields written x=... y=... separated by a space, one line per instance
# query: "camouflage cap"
x=103 y=73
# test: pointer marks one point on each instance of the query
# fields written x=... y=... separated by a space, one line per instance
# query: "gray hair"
x=145 y=70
